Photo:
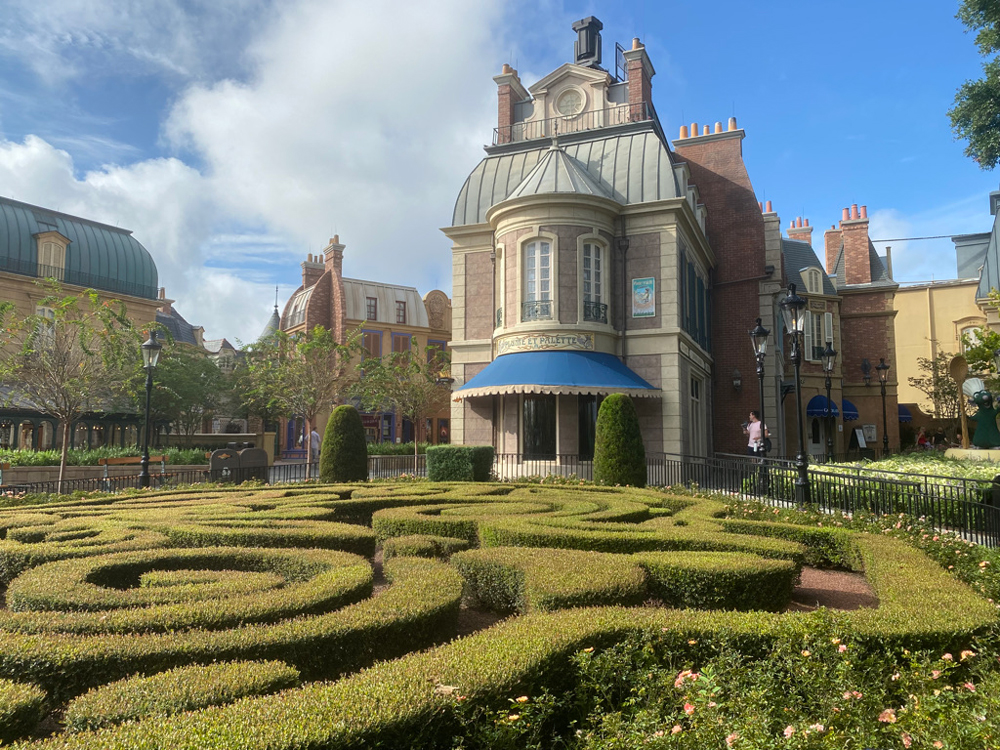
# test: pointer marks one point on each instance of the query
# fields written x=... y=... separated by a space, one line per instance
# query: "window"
x=813 y=280
x=371 y=342
x=46 y=327
x=537 y=303
x=593 y=284
x=371 y=308
x=400 y=311
x=818 y=331
x=538 y=426
x=697 y=417
x=51 y=260
x=400 y=343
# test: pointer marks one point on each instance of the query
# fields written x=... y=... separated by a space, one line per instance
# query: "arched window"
x=813 y=279
x=595 y=307
x=537 y=295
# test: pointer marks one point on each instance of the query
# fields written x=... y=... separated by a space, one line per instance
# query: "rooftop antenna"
x=275 y=296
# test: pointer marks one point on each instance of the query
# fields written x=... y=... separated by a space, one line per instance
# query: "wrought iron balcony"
x=78 y=278
x=537 y=310
x=601 y=118
x=595 y=311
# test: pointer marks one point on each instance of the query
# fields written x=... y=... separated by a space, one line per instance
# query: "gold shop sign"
x=535 y=342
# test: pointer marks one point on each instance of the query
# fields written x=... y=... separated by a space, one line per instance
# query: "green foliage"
x=91 y=456
x=344 y=456
x=459 y=463
x=21 y=708
x=396 y=449
x=422 y=545
x=188 y=388
x=175 y=691
x=619 y=455
x=976 y=114
x=935 y=381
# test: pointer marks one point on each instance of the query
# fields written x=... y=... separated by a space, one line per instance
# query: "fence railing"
x=619 y=114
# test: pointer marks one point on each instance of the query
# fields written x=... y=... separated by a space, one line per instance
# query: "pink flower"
x=842 y=648
x=966 y=654
x=888 y=716
x=676 y=729
x=688 y=708
x=789 y=731
x=970 y=687
x=938 y=743
x=946 y=657
x=817 y=727
x=935 y=673
x=732 y=738
x=907 y=739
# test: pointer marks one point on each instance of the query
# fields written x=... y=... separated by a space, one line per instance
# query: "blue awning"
x=904 y=414
x=560 y=372
x=850 y=411
x=817 y=407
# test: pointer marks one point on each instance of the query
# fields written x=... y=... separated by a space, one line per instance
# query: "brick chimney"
x=312 y=269
x=640 y=74
x=509 y=93
x=166 y=306
x=831 y=239
x=857 y=261
x=800 y=231
x=334 y=254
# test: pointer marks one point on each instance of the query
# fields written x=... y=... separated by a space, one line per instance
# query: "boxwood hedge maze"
x=267 y=618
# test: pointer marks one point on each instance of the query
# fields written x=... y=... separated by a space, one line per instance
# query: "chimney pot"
x=507 y=69
x=684 y=131
x=636 y=44
x=718 y=127
x=163 y=292
x=798 y=221
x=694 y=130
x=705 y=130
x=807 y=222
x=854 y=210
x=732 y=123
x=336 y=239
x=791 y=224
x=846 y=215
x=767 y=207
x=864 y=212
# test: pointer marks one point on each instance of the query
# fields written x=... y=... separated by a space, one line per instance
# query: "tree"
x=976 y=114
x=72 y=356
x=411 y=386
x=188 y=387
x=302 y=374
x=935 y=381
x=345 y=455
x=619 y=454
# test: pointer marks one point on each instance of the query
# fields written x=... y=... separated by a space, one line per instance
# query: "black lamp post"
x=792 y=308
x=829 y=359
x=150 y=357
x=758 y=337
x=883 y=375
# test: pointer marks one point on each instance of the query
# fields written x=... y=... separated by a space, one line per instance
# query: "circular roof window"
x=570 y=102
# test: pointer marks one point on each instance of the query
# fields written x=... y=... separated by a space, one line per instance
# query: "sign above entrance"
x=536 y=342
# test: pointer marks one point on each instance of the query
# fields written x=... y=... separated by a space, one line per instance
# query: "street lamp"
x=829 y=358
x=793 y=309
x=758 y=337
x=883 y=375
x=150 y=357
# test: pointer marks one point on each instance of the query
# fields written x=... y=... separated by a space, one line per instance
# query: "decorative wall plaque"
x=536 y=342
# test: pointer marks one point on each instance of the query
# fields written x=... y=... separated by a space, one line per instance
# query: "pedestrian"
x=922 y=442
x=756 y=432
x=314 y=444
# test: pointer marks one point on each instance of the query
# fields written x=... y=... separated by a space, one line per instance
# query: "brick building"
x=592 y=256
x=391 y=318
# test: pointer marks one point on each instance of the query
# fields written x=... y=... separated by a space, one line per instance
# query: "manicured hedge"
x=619 y=454
x=22 y=706
x=459 y=463
x=418 y=545
x=344 y=455
x=175 y=691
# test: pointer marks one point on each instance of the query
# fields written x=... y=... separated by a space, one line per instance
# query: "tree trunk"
x=64 y=454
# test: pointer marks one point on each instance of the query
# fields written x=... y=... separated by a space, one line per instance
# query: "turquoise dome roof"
x=98 y=256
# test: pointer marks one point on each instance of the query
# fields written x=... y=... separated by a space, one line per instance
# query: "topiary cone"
x=619 y=455
x=344 y=455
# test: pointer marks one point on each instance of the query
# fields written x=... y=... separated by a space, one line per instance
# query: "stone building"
x=38 y=243
x=592 y=256
x=390 y=318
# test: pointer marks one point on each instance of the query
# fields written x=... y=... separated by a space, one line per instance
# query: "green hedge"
x=418 y=545
x=619 y=454
x=459 y=463
x=22 y=706
x=175 y=691
x=418 y=695
x=344 y=455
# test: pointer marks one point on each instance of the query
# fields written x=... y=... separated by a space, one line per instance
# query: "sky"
x=234 y=137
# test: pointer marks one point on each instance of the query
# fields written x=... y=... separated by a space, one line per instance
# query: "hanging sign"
x=644 y=297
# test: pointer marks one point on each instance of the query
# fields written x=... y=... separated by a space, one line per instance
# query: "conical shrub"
x=344 y=456
x=619 y=455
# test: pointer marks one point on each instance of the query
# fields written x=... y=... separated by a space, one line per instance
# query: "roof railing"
x=78 y=278
x=592 y=120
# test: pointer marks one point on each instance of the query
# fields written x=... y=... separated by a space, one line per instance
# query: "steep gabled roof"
x=879 y=270
x=798 y=257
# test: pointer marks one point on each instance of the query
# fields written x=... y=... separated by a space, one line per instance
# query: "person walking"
x=756 y=432
x=314 y=446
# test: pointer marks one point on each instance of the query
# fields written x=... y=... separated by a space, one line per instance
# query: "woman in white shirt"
x=755 y=432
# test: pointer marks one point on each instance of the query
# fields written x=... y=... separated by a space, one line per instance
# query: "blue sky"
x=236 y=136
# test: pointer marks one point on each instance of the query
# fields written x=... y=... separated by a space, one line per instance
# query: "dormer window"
x=51 y=256
x=371 y=308
x=400 y=311
x=813 y=279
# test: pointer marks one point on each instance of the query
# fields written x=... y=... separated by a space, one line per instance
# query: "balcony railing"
x=595 y=311
x=537 y=310
x=600 y=118
x=499 y=318
x=78 y=278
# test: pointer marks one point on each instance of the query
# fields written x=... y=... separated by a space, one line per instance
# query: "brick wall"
x=735 y=230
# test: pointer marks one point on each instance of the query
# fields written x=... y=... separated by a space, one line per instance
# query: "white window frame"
x=46 y=326
x=51 y=257
x=536 y=239
x=813 y=280
x=600 y=244
x=696 y=423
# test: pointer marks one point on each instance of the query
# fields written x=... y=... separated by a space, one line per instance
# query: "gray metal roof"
x=180 y=330
x=273 y=325
x=356 y=292
x=98 y=256
x=989 y=279
x=557 y=172
x=798 y=257
x=879 y=270
x=629 y=168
